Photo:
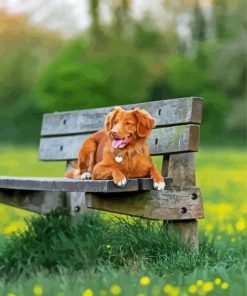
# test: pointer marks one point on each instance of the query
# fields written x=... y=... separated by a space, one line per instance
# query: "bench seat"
x=75 y=185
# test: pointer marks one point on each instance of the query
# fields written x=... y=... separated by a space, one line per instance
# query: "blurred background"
x=74 y=54
x=58 y=55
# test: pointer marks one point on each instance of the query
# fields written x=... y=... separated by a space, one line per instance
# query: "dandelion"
x=192 y=289
x=87 y=292
x=240 y=224
x=11 y=294
x=116 y=289
x=209 y=227
x=167 y=288
x=229 y=228
x=224 y=285
x=145 y=280
x=217 y=281
x=175 y=291
x=102 y=292
x=155 y=290
x=208 y=286
x=38 y=290
x=183 y=294
x=199 y=283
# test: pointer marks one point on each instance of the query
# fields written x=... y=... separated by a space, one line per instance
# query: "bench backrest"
x=177 y=128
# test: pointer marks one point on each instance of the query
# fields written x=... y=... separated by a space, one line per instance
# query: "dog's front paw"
x=120 y=180
x=86 y=176
x=159 y=185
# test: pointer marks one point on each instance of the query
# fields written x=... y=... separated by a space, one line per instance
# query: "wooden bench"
x=175 y=138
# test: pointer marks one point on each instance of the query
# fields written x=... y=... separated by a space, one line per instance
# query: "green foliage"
x=56 y=242
x=198 y=24
x=81 y=77
x=90 y=251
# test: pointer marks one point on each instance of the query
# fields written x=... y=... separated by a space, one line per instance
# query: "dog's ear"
x=109 y=119
x=145 y=122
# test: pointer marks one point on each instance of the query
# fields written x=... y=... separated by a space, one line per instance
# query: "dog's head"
x=125 y=127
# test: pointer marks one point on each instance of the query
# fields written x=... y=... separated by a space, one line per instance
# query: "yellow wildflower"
x=145 y=280
x=38 y=290
x=199 y=283
x=175 y=291
x=192 y=289
x=208 y=286
x=102 y=292
x=209 y=227
x=240 y=224
x=155 y=290
x=11 y=294
x=167 y=288
x=115 y=289
x=224 y=285
x=217 y=281
x=229 y=228
x=87 y=292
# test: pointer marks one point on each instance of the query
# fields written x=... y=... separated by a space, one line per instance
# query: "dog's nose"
x=114 y=134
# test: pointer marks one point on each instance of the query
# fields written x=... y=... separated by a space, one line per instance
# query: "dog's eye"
x=115 y=122
x=128 y=123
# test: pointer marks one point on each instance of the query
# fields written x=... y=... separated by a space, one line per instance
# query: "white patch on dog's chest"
x=119 y=158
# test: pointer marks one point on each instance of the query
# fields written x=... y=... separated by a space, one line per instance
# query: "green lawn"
x=92 y=256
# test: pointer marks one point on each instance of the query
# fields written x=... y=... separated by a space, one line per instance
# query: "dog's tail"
x=74 y=172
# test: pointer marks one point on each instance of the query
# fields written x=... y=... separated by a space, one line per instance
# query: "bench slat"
x=174 y=139
x=165 y=112
x=173 y=204
x=65 y=184
x=75 y=185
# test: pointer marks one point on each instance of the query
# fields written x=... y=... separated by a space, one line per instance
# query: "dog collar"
x=118 y=158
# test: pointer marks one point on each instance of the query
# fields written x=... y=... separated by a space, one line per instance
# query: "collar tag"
x=118 y=158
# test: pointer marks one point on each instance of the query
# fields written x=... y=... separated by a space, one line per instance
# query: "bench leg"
x=187 y=230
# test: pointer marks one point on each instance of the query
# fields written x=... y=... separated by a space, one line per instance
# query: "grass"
x=92 y=255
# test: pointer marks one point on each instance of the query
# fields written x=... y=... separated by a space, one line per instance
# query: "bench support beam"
x=41 y=202
x=181 y=167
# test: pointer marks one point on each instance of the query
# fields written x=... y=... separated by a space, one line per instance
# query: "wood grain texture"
x=65 y=185
x=182 y=169
x=165 y=112
x=172 y=139
x=42 y=202
x=186 y=230
x=75 y=185
x=175 y=203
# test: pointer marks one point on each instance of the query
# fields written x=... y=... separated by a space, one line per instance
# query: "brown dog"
x=120 y=151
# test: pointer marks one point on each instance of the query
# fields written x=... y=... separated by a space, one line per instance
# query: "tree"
x=24 y=51
x=198 y=24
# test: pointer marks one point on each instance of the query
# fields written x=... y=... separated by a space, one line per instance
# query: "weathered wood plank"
x=65 y=185
x=181 y=168
x=147 y=183
x=165 y=112
x=172 y=139
x=172 y=204
x=41 y=202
